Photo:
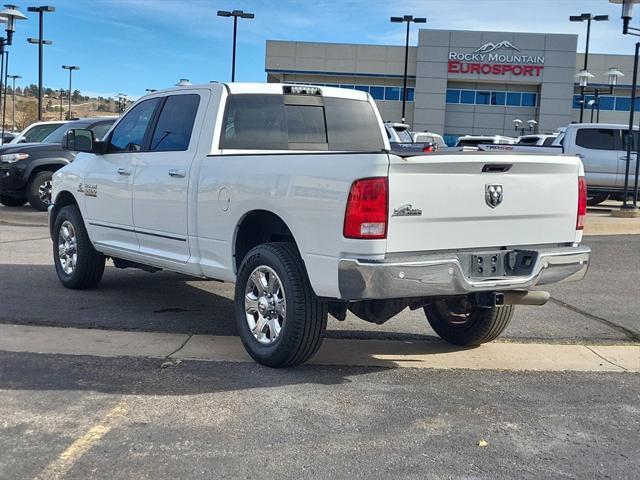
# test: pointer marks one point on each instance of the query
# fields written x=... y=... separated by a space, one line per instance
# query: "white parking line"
x=379 y=353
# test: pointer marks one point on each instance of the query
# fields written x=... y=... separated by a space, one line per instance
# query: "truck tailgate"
x=538 y=205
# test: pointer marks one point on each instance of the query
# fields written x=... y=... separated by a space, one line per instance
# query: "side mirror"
x=79 y=140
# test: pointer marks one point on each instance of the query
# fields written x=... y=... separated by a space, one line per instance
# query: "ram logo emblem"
x=493 y=195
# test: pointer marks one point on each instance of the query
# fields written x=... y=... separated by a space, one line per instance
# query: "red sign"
x=455 y=66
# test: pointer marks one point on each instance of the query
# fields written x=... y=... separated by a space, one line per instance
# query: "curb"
x=23 y=216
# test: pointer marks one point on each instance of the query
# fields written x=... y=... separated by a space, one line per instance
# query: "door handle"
x=174 y=172
x=124 y=171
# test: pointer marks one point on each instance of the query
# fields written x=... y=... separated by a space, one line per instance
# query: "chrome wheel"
x=265 y=304
x=44 y=192
x=67 y=247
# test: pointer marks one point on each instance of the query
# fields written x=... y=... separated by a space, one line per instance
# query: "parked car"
x=475 y=140
x=26 y=168
x=292 y=192
x=603 y=150
x=538 y=139
x=402 y=142
x=7 y=137
x=36 y=132
x=429 y=137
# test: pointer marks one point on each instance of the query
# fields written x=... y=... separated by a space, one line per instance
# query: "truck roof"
x=268 y=88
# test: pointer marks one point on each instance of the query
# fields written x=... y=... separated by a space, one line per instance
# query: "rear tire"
x=12 y=201
x=596 y=199
x=39 y=190
x=78 y=265
x=280 y=320
x=461 y=324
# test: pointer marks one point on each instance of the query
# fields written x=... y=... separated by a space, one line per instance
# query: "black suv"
x=26 y=168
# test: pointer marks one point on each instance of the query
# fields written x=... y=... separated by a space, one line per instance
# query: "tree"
x=76 y=96
x=26 y=113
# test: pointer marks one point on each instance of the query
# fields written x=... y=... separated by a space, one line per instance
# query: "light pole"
x=408 y=19
x=10 y=14
x=235 y=14
x=61 y=94
x=519 y=125
x=586 y=17
x=13 y=94
x=71 y=68
x=627 y=14
x=612 y=80
x=40 y=41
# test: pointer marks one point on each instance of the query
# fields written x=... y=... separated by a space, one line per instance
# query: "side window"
x=625 y=140
x=100 y=129
x=255 y=122
x=352 y=125
x=175 y=124
x=130 y=132
x=597 y=138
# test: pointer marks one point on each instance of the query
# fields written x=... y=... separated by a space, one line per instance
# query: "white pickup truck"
x=291 y=193
x=602 y=147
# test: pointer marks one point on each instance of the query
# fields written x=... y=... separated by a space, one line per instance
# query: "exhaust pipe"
x=518 y=297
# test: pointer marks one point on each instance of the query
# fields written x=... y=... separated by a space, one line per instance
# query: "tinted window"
x=305 y=124
x=38 y=133
x=58 y=133
x=467 y=96
x=175 y=123
x=262 y=122
x=528 y=99
x=623 y=104
x=606 y=103
x=597 y=138
x=100 y=129
x=549 y=141
x=392 y=93
x=498 y=98
x=513 y=99
x=625 y=137
x=482 y=98
x=352 y=125
x=255 y=122
x=404 y=135
x=528 y=141
x=132 y=128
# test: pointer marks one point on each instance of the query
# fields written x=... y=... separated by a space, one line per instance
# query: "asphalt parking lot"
x=84 y=416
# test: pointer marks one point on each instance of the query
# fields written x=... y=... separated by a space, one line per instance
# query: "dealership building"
x=465 y=82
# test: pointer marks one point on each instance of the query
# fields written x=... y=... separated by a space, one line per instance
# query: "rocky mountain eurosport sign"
x=487 y=61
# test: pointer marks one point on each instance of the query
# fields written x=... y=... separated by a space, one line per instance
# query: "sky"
x=130 y=45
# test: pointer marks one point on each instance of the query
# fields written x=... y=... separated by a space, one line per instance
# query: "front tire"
x=280 y=320
x=78 y=265
x=39 y=190
x=12 y=201
x=457 y=322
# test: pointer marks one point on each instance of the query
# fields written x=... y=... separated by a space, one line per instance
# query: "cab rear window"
x=282 y=122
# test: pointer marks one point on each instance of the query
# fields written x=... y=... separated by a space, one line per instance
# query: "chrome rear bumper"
x=448 y=274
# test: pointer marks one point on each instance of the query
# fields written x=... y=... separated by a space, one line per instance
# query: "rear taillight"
x=582 y=203
x=428 y=149
x=367 y=207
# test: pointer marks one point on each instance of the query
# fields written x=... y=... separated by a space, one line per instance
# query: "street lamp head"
x=15 y=77
x=11 y=14
x=532 y=124
x=184 y=82
x=224 y=13
x=583 y=77
x=43 y=8
x=601 y=18
x=517 y=123
x=235 y=13
x=397 y=19
x=612 y=76
x=70 y=67
x=627 y=8
x=420 y=20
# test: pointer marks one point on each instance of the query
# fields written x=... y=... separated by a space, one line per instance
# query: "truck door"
x=622 y=155
x=597 y=147
x=160 y=185
x=107 y=183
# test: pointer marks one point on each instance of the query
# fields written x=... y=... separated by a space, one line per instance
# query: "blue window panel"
x=623 y=104
x=606 y=103
x=498 y=98
x=513 y=99
x=362 y=88
x=332 y=85
x=637 y=104
x=529 y=99
x=467 y=96
x=483 y=98
x=577 y=100
x=376 y=92
x=410 y=93
x=453 y=96
x=347 y=86
x=392 y=93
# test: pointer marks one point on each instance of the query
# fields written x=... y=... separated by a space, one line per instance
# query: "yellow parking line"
x=61 y=466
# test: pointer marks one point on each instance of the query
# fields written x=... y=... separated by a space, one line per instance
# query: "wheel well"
x=256 y=228
x=63 y=199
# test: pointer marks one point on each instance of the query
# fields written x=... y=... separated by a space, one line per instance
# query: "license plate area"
x=501 y=263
